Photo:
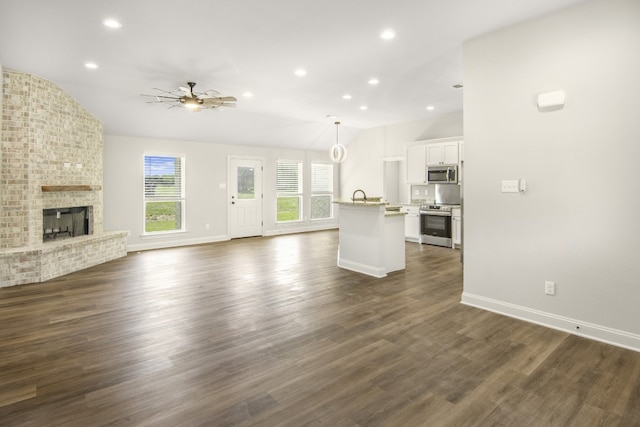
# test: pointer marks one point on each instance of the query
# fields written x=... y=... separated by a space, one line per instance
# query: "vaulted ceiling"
x=255 y=46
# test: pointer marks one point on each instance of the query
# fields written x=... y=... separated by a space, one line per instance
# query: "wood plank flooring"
x=269 y=332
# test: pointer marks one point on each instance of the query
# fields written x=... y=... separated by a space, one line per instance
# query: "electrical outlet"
x=206 y=226
x=550 y=288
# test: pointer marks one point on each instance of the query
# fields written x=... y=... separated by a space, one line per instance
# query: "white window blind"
x=289 y=177
x=321 y=178
x=163 y=178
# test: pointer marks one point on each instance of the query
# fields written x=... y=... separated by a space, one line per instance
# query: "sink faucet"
x=354 y=195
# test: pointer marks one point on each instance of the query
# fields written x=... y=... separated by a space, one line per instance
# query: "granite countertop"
x=390 y=210
x=394 y=213
x=361 y=202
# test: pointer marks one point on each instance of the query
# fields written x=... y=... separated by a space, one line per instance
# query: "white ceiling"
x=235 y=46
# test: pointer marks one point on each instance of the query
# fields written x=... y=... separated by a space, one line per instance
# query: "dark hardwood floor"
x=269 y=332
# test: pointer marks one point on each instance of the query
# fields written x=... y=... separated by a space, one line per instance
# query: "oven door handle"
x=436 y=213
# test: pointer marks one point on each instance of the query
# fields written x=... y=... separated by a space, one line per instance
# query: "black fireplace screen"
x=63 y=223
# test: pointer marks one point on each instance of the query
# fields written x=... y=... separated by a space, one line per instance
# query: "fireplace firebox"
x=63 y=223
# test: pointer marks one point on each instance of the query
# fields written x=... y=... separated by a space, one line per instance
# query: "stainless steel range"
x=435 y=225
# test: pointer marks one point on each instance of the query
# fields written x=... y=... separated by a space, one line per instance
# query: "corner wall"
x=577 y=223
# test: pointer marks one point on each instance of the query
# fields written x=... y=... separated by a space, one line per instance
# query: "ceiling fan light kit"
x=191 y=100
x=338 y=152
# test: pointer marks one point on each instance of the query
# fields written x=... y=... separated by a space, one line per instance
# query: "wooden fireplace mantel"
x=58 y=188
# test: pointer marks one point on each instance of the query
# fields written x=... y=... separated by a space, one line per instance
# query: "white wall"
x=206 y=169
x=577 y=223
x=364 y=167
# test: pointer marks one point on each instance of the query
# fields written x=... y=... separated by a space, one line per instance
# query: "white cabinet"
x=411 y=222
x=456 y=226
x=416 y=166
x=445 y=153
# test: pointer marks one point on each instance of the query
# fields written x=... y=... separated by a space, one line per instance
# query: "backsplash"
x=419 y=194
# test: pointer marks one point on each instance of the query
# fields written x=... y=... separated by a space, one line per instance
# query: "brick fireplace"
x=51 y=152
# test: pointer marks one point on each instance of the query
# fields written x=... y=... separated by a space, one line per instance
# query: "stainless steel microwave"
x=442 y=174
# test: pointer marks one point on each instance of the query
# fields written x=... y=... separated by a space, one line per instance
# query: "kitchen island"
x=371 y=237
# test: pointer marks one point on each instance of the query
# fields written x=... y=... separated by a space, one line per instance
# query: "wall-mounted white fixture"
x=338 y=151
x=551 y=100
x=513 y=186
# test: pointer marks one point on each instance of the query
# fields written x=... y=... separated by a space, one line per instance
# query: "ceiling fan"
x=186 y=97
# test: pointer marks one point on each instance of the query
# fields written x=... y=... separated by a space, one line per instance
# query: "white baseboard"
x=160 y=244
x=573 y=326
x=362 y=268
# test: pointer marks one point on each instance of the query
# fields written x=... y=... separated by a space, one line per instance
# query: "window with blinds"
x=289 y=191
x=321 y=190
x=164 y=198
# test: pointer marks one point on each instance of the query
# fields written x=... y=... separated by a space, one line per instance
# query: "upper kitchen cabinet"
x=445 y=153
x=416 y=164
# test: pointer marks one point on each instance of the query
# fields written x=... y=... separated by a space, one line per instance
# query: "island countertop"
x=390 y=210
x=361 y=202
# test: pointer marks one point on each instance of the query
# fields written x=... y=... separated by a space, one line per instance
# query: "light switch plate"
x=550 y=288
x=510 y=186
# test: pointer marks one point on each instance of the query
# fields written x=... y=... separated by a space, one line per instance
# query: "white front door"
x=245 y=197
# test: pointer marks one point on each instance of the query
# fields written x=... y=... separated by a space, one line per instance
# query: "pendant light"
x=338 y=152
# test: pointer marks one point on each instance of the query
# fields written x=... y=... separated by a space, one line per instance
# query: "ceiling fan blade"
x=210 y=94
x=162 y=96
x=186 y=91
x=164 y=91
x=211 y=101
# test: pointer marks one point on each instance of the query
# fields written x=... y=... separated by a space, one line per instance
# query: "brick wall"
x=45 y=135
x=47 y=139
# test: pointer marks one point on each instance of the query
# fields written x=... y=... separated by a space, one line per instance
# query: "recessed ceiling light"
x=364 y=107
x=374 y=81
x=111 y=23
x=330 y=116
x=300 y=72
x=431 y=108
x=457 y=86
x=247 y=94
x=387 y=34
x=346 y=96
x=91 y=65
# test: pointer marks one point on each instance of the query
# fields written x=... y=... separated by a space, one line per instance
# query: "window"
x=289 y=189
x=163 y=194
x=246 y=182
x=321 y=190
